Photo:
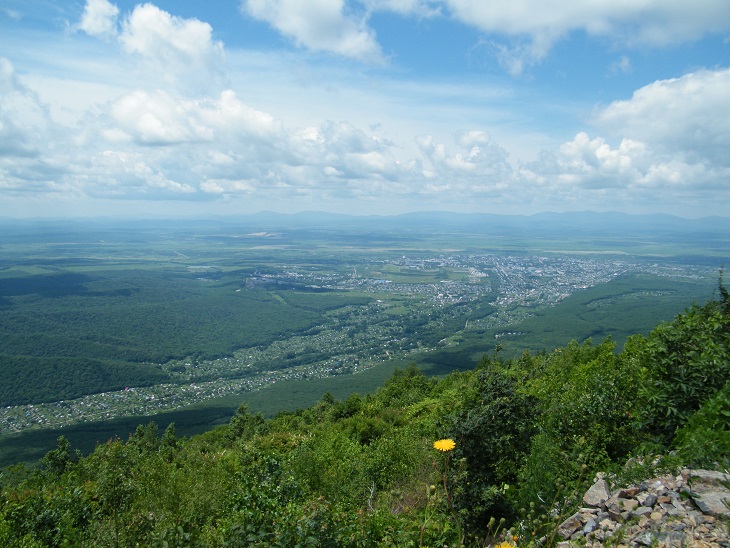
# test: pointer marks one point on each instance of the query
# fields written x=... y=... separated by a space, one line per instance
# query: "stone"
x=659 y=488
x=673 y=511
x=598 y=494
x=645 y=539
x=570 y=526
x=607 y=524
x=642 y=511
x=629 y=504
x=673 y=539
x=614 y=512
x=661 y=516
x=708 y=492
x=650 y=501
x=628 y=493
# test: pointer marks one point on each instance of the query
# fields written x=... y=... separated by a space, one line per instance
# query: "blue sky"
x=364 y=106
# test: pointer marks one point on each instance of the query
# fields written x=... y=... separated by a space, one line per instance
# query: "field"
x=106 y=324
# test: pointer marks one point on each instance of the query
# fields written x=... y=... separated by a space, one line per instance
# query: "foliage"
x=419 y=462
x=686 y=362
x=84 y=333
x=705 y=439
x=492 y=432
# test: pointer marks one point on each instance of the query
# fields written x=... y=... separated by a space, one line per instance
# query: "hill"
x=498 y=452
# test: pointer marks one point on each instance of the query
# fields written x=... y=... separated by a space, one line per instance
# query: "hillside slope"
x=505 y=447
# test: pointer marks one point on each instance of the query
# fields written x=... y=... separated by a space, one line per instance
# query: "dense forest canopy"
x=503 y=447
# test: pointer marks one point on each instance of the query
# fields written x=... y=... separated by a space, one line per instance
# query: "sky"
x=188 y=108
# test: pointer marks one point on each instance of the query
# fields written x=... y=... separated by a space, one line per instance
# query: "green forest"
x=496 y=453
x=89 y=333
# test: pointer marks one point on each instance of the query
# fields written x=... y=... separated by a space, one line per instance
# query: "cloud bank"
x=178 y=132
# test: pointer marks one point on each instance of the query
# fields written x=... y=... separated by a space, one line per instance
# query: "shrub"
x=705 y=439
x=687 y=361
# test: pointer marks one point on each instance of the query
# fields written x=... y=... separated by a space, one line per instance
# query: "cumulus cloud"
x=478 y=163
x=99 y=18
x=320 y=25
x=171 y=44
x=667 y=143
x=538 y=24
x=154 y=33
x=686 y=117
x=157 y=118
x=672 y=150
x=593 y=164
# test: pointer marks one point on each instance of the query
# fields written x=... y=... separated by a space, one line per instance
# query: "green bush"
x=686 y=362
x=705 y=439
x=492 y=433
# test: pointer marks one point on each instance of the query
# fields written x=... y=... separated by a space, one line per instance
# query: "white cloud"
x=320 y=25
x=99 y=18
x=538 y=24
x=24 y=120
x=149 y=137
x=479 y=161
x=686 y=117
x=177 y=48
x=129 y=175
x=672 y=152
x=592 y=163
x=157 y=118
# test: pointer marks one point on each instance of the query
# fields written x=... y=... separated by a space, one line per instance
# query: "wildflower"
x=505 y=544
x=444 y=445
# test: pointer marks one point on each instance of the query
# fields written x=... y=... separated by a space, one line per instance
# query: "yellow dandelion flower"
x=444 y=445
x=505 y=544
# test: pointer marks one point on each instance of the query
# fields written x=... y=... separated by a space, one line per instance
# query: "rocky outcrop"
x=688 y=510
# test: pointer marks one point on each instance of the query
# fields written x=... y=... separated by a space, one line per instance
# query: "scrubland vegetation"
x=528 y=431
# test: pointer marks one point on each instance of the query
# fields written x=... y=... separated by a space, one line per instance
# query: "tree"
x=58 y=460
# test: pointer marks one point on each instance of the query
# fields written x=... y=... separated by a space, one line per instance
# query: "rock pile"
x=689 y=510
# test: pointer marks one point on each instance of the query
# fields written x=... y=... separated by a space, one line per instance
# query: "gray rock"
x=590 y=526
x=570 y=526
x=629 y=504
x=642 y=511
x=709 y=493
x=597 y=494
x=645 y=539
x=649 y=501
x=660 y=515
x=670 y=540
